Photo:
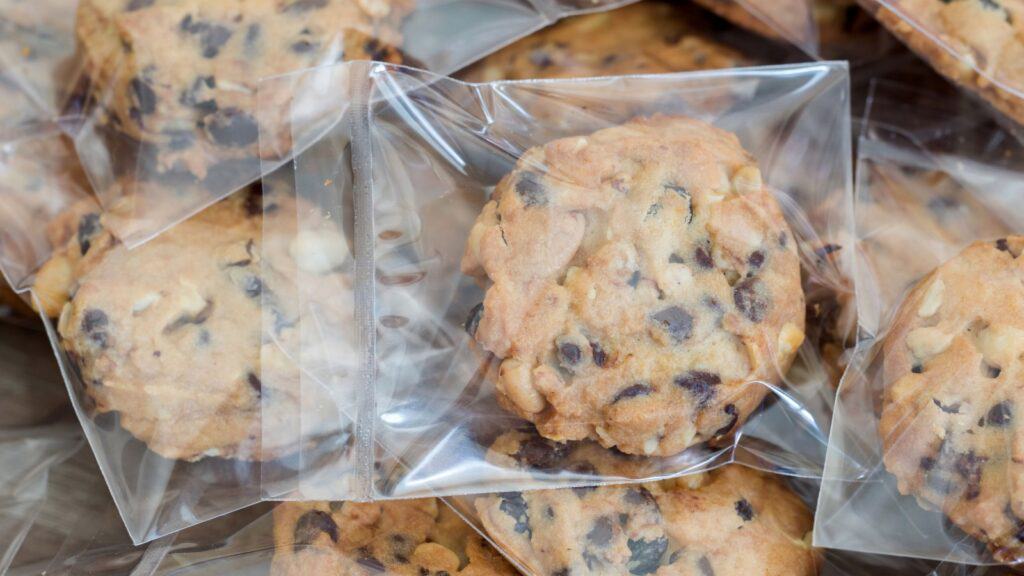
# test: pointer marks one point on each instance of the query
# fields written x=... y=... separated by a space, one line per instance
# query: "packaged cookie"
x=628 y=279
x=790 y=20
x=973 y=43
x=165 y=112
x=921 y=457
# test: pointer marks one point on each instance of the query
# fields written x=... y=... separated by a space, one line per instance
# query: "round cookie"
x=952 y=361
x=408 y=537
x=975 y=43
x=648 y=37
x=179 y=77
x=183 y=335
x=730 y=521
x=643 y=286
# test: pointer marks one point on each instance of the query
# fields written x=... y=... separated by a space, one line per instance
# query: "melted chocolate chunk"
x=927 y=463
x=917 y=368
x=634 y=280
x=645 y=555
x=703 y=257
x=473 y=322
x=751 y=300
x=756 y=260
x=700 y=384
x=94 y=324
x=569 y=354
x=540 y=453
x=1000 y=415
x=253 y=287
x=744 y=510
x=1002 y=245
x=232 y=127
x=602 y=532
x=186 y=319
x=513 y=504
x=311 y=525
x=530 y=190
x=675 y=321
x=950 y=409
x=598 y=354
x=638 y=495
x=731 y=410
x=88 y=226
x=969 y=467
x=633 y=391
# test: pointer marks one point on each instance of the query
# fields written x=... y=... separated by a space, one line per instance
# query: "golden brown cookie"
x=732 y=521
x=409 y=537
x=642 y=286
x=949 y=423
x=644 y=38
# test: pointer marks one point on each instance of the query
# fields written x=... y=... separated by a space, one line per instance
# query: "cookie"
x=639 y=280
x=729 y=521
x=180 y=76
x=410 y=537
x=952 y=360
x=182 y=336
x=975 y=43
x=790 y=19
x=644 y=38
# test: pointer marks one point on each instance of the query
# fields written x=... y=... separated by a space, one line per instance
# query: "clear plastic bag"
x=37 y=67
x=400 y=181
x=974 y=44
x=790 y=20
x=167 y=132
x=904 y=475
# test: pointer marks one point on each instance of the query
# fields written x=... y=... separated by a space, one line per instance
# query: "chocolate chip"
x=750 y=299
x=252 y=35
x=569 y=354
x=705 y=566
x=990 y=371
x=700 y=384
x=302 y=46
x=371 y=563
x=1001 y=244
x=562 y=572
x=253 y=287
x=703 y=256
x=634 y=280
x=638 y=495
x=632 y=392
x=744 y=510
x=473 y=322
x=598 y=354
x=602 y=532
x=917 y=368
x=513 y=504
x=304 y=6
x=232 y=127
x=193 y=96
x=675 y=321
x=88 y=226
x=540 y=453
x=645 y=555
x=783 y=239
x=950 y=409
x=927 y=463
x=530 y=189
x=731 y=410
x=134 y=5
x=541 y=59
x=675 y=259
x=653 y=209
x=255 y=383
x=143 y=97
x=213 y=39
x=311 y=525
x=1000 y=415
x=756 y=259
x=186 y=319
x=968 y=466
x=94 y=324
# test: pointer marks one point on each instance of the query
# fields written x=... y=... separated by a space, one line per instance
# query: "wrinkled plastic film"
x=436 y=147
x=920 y=201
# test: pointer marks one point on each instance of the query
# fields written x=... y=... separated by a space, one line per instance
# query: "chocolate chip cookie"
x=952 y=361
x=729 y=521
x=410 y=537
x=182 y=336
x=642 y=286
x=180 y=76
x=975 y=43
x=647 y=37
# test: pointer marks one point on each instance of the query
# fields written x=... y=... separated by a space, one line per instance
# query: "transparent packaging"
x=923 y=433
x=789 y=20
x=975 y=44
x=389 y=184
x=164 y=133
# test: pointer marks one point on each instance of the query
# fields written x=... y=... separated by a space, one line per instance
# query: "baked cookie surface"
x=730 y=521
x=180 y=76
x=975 y=43
x=648 y=37
x=643 y=285
x=410 y=537
x=183 y=336
x=952 y=360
